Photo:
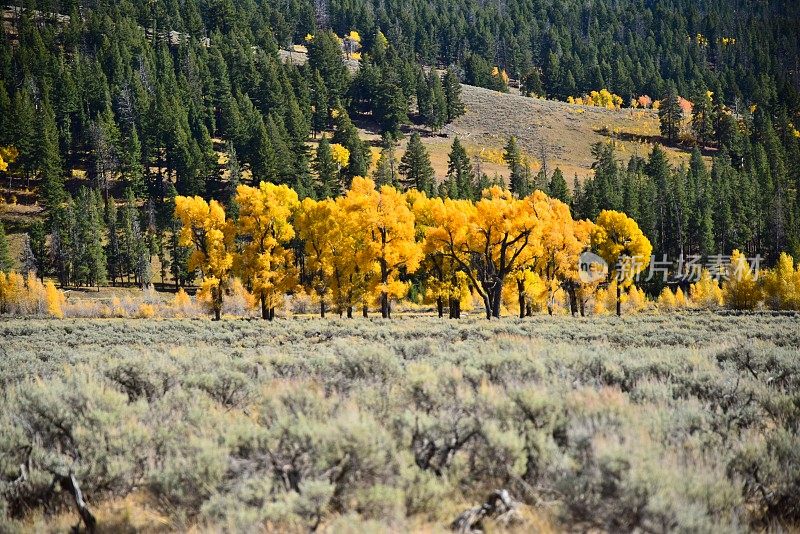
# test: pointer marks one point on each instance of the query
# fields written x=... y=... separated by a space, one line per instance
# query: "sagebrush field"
x=681 y=422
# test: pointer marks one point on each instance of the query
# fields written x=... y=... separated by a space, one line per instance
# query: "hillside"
x=567 y=132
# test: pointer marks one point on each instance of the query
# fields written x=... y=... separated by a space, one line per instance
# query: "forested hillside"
x=142 y=101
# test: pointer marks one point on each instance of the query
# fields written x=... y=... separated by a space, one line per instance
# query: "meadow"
x=682 y=422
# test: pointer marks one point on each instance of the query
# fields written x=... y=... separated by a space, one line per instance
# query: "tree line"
x=372 y=244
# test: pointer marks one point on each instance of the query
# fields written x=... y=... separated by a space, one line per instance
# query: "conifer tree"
x=703 y=118
x=386 y=168
x=346 y=134
x=558 y=188
x=516 y=167
x=38 y=244
x=327 y=171
x=319 y=118
x=452 y=96
x=700 y=232
x=424 y=96
x=460 y=181
x=234 y=179
x=435 y=114
x=48 y=157
x=114 y=255
x=415 y=166
x=670 y=115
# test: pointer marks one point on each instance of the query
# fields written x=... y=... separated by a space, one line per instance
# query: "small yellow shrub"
x=146 y=311
x=55 y=300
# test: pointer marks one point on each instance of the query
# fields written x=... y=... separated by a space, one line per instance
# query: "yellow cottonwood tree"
x=265 y=228
x=204 y=227
x=487 y=239
x=620 y=242
x=354 y=274
x=389 y=223
x=445 y=282
x=317 y=225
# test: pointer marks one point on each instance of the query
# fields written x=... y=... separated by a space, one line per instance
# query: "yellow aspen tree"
x=354 y=275
x=264 y=226
x=620 y=242
x=666 y=300
x=782 y=285
x=341 y=155
x=740 y=290
x=562 y=242
x=706 y=292
x=54 y=299
x=205 y=229
x=445 y=283
x=7 y=155
x=317 y=224
x=389 y=222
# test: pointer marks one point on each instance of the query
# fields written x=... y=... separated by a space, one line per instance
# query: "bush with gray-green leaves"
x=685 y=422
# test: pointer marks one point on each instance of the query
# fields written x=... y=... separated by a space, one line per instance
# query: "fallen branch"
x=499 y=507
x=70 y=484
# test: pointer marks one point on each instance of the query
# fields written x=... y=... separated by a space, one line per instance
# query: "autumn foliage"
x=365 y=248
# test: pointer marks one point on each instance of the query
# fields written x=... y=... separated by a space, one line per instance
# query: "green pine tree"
x=415 y=166
x=452 y=96
x=558 y=187
x=670 y=115
x=327 y=171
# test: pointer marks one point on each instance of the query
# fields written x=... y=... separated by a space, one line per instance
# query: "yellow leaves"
x=340 y=154
x=28 y=296
x=706 y=293
x=204 y=227
x=7 y=155
x=603 y=98
x=782 y=285
x=309 y=38
x=359 y=243
x=354 y=36
x=740 y=290
x=55 y=300
x=265 y=227
x=619 y=240
x=501 y=74
x=356 y=56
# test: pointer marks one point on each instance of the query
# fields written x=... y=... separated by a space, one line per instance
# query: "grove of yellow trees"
x=363 y=248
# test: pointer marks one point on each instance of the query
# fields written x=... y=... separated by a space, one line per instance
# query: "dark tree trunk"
x=365 y=311
x=264 y=309
x=385 y=309
x=497 y=295
x=349 y=312
x=573 y=299
x=619 y=300
x=440 y=307
x=322 y=309
x=217 y=296
x=521 y=291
